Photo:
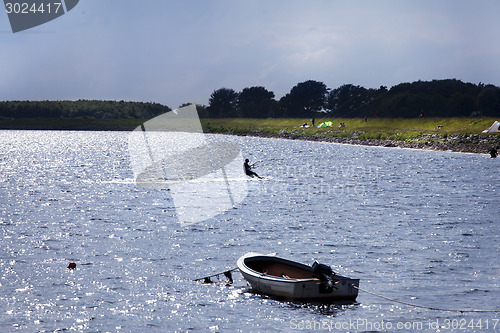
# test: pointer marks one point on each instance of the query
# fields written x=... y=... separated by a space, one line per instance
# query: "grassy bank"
x=381 y=128
x=457 y=134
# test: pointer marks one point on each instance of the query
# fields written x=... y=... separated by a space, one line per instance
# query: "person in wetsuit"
x=248 y=169
x=493 y=152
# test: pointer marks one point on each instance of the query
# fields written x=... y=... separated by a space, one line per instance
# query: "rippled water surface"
x=417 y=226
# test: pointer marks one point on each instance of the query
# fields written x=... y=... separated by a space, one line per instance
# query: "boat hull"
x=296 y=282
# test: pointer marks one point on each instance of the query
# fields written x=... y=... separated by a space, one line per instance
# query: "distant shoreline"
x=426 y=139
x=462 y=144
x=70 y=124
x=440 y=134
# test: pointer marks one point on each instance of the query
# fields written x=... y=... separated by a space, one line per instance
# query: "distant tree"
x=461 y=105
x=349 y=100
x=201 y=109
x=488 y=101
x=223 y=103
x=305 y=99
x=437 y=98
x=256 y=102
x=286 y=106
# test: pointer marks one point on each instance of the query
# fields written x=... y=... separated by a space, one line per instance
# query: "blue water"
x=417 y=226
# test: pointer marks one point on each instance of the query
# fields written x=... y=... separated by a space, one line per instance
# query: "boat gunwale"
x=242 y=263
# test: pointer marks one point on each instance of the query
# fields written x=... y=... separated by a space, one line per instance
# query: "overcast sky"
x=173 y=52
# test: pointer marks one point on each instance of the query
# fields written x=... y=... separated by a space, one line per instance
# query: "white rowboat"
x=280 y=277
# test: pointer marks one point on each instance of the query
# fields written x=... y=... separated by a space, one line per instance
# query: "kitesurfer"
x=248 y=169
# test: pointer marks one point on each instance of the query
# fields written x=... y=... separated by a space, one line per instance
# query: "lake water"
x=417 y=226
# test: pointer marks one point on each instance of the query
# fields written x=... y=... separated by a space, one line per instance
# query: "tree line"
x=437 y=98
x=81 y=109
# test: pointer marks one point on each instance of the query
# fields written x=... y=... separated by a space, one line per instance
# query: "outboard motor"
x=325 y=274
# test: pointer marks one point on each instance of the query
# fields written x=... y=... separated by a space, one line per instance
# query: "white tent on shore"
x=495 y=128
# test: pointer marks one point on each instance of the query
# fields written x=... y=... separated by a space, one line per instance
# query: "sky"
x=176 y=52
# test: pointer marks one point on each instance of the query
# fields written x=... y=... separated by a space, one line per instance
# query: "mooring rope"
x=423 y=306
x=227 y=274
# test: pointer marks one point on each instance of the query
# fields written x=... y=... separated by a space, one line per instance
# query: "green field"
x=380 y=128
